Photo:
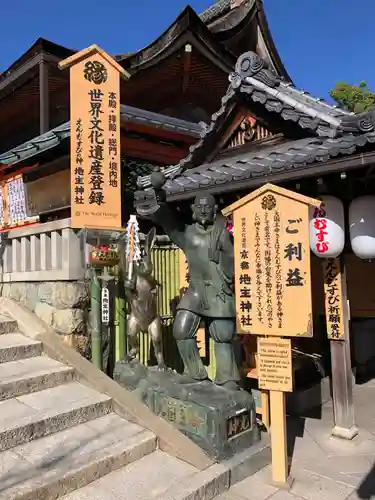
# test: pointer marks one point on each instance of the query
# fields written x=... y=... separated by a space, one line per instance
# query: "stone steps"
x=60 y=439
x=39 y=414
x=15 y=346
x=53 y=466
x=32 y=374
x=151 y=477
x=7 y=324
x=56 y=434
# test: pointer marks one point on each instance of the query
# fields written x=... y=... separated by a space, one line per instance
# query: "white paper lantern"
x=362 y=226
x=327 y=228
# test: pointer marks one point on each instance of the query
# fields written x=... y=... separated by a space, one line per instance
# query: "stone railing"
x=43 y=252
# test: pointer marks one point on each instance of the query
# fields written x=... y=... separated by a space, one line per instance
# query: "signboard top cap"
x=286 y=193
x=89 y=52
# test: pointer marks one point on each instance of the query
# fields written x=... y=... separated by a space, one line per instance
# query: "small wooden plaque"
x=275 y=364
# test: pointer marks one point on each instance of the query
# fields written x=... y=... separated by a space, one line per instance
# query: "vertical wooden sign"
x=272 y=262
x=184 y=283
x=273 y=293
x=95 y=138
x=333 y=296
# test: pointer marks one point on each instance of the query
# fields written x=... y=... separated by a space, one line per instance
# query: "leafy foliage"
x=357 y=98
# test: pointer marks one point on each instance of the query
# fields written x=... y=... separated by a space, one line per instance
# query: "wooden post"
x=280 y=467
x=276 y=374
x=43 y=97
x=342 y=384
x=273 y=294
x=265 y=404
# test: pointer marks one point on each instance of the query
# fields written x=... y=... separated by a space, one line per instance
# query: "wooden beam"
x=43 y=97
x=151 y=152
x=155 y=131
x=342 y=377
x=187 y=64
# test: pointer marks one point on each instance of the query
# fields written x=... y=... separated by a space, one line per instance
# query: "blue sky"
x=319 y=41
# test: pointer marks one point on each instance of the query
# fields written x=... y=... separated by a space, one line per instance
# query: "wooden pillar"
x=342 y=382
x=43 y=97
x=280 y=466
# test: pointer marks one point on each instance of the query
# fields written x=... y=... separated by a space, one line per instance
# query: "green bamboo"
x=96 y=344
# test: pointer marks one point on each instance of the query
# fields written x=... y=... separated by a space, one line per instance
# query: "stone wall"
x=63 y=305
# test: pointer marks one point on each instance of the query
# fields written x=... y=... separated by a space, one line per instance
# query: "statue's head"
x=204 y=209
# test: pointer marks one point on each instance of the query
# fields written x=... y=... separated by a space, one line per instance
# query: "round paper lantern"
x=362 y=226
x=327 y=228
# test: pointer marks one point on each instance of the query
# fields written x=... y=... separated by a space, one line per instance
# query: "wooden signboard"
x=184 y=283
x=272 y=262
x=275 y=364
x=48 y=193
x=95 y=138
x=273 y=293
x=333 y=294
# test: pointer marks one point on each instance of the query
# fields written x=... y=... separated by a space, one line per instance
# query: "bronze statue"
x=208 y=248
x=141 y=291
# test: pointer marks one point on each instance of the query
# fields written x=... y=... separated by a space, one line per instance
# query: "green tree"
x=357 y=98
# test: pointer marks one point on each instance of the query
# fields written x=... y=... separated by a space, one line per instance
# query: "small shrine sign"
x=333 y=295
x=95 y=138
x=275 y=364
x=272 y=262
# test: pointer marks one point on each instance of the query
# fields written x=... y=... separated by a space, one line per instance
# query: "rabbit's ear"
x=150 y=241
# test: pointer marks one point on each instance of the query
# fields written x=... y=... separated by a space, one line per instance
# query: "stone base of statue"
x=220 y=421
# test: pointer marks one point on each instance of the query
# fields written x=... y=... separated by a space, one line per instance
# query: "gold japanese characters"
x=272 y=263
x=95 y=139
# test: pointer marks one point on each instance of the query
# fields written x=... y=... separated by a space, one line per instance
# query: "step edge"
x=111 y=461
x=218 y=478
x=46 y=371
x=44 y=421
x=28 y=340
x=11 y=387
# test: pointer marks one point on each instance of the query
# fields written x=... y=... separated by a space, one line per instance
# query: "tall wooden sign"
x=333 y=297
x=95 y=138
x=273 y=293
x=272 y=262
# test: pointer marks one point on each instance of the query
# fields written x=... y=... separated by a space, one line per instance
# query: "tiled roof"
x=128 y=114
x=291 y=155
x=254 y=81
x=216 y=10
x=38 y=145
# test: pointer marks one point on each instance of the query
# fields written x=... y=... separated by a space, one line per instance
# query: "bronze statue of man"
x=208 y=248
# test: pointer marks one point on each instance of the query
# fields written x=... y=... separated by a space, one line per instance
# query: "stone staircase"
x=57 y=435
x=61 y=438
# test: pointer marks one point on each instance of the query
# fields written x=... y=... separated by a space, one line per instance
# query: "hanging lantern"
x=327 y=228
x=230 y=226
x=362 y=226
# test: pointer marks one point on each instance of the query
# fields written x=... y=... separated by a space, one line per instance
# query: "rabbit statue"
x=141 y=290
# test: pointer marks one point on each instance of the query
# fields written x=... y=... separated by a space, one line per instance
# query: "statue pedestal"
x=220 y=421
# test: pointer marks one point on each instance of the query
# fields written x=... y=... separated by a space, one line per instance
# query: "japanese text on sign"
x=333 y=299
x=96 y=148
x=275 y=364
x=95 y=144
x=79 y=184
x=320 y=226
x=105 y=305
x=272 y=265
x=244 y=279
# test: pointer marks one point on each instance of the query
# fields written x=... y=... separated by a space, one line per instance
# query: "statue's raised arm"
x=150 y=204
